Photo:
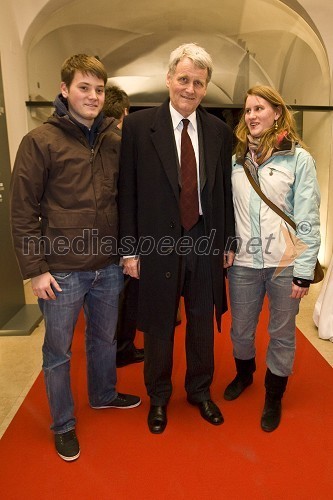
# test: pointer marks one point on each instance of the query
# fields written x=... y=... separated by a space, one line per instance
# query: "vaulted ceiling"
x=251 y=41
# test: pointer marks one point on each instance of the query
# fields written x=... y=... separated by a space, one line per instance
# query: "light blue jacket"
x=288 y=179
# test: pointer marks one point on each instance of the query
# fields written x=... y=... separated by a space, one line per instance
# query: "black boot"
x=245 y=369
x=275 y=387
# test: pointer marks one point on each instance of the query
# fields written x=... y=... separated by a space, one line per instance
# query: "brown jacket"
x=64 y=198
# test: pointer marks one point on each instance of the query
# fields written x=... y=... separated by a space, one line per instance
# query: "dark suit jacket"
x=149 y=208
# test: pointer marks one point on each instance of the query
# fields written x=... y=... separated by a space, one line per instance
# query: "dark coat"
x=149 y=208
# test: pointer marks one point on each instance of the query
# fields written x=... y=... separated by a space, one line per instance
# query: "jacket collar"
x=286 y=148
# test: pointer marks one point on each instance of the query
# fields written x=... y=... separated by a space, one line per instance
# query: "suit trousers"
x=127 y=315
x=196 y=287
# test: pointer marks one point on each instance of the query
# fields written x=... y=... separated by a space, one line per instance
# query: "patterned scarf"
x=258 y=159
x=254 y=148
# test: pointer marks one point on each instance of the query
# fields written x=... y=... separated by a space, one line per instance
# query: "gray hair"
x=197 y=54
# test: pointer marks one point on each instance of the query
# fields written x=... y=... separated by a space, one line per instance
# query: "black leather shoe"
x=237 y=386
x=157 y=419
x=130 y=357
x=210 y=412
x=271 y=415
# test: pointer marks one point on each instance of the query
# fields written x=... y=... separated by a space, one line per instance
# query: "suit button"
x=168 y=275
x=172 y=224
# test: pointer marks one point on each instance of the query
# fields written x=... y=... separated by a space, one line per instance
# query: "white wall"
x=317 y=134
x=321 y=12
x=14 y=74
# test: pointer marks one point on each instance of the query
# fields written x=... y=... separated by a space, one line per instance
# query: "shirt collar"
x=177 y=117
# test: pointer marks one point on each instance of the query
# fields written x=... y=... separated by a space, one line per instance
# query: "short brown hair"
x=116 y=101
x=85 y=64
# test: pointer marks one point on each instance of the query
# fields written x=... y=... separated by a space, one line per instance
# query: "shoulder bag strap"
x=267 y=200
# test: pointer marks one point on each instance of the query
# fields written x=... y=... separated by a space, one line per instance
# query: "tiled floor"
x=20 y=364
x=21 y=359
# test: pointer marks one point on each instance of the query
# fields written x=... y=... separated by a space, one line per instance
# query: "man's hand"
x=228 y=259
x=41 y=286
x=132 y=266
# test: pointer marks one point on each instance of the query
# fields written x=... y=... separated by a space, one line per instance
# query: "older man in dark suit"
x=176 y=216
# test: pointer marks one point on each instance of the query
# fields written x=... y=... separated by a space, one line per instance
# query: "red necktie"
x=189 y=202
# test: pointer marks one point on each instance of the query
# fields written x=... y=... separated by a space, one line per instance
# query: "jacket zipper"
x=259 y=218
x=92 y=152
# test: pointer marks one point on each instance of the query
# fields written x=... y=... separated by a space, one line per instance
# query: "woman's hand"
x=298 y=292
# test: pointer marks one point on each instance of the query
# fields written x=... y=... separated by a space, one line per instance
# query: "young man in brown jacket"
x=64 y=223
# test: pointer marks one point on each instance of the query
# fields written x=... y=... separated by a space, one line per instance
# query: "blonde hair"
x=285 y=123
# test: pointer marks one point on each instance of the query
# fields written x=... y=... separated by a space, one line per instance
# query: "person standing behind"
x=64 y=221
x=117 y=105
x=267 y=262
x=175 y=191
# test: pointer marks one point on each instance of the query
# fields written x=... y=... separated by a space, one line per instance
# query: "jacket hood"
x=61 y=105
x=61 y=110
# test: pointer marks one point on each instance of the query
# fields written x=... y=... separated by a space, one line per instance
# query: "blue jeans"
x=97 y=292
x=247 y=289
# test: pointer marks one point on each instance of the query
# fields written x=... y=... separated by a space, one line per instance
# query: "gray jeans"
x=247 y=288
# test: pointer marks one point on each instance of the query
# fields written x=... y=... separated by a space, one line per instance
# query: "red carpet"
x=121 y=460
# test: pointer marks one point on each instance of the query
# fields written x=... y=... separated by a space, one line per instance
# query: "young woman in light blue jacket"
x=271 y=259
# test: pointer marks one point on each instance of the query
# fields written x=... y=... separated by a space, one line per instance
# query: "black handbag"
x=318 y=272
